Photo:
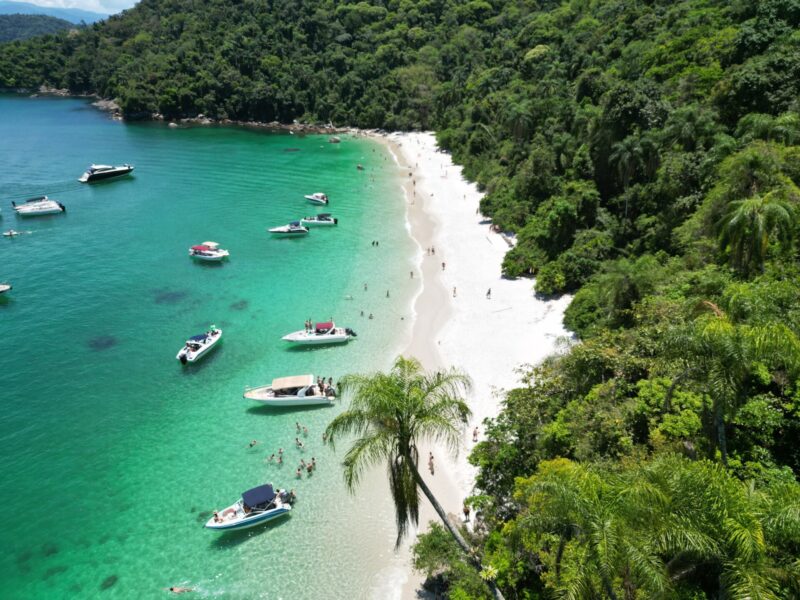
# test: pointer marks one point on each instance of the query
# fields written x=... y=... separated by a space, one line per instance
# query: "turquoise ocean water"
x=113 y=453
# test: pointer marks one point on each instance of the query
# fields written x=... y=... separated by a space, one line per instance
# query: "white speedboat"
x=317 y=198
x=208 y=251
x=298 y=390
x=259 y=505
x=41 y=205
x=321 y=333
x=198 y=346
x=101 y=172
x=5 y=287
x=320 y=220
x=10 y=233
x=293 y=229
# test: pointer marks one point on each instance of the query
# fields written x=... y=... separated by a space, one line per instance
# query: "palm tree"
x=748 y=226
x=390 y=414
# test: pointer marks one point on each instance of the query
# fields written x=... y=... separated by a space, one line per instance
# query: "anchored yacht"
x=321 y=333
x=40 y=205
x=198 y=345
x=298 y=390
x=101 y=172
x=317 y=198
x=258 y=505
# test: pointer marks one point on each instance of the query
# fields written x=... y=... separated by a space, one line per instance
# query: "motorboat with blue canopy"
x=198 y=345
x=258 y=505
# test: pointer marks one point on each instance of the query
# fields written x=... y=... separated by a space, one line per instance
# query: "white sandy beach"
x=455 y=323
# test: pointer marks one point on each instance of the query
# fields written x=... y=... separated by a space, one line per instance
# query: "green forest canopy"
x=22 y=27
x=646 y=154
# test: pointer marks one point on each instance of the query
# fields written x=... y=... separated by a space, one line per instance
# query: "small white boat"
x=10 y=233
x=317 y=198
x=321 y=333
x=334 y=140
x=293 y=229
x=41 y=205
x=298 y=390
x=320 y=220
x=5 y=287
x=208 y=251
x=198 y=345
x=101 y=172
x=259 y=505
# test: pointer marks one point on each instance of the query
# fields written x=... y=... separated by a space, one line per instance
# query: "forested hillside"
x=22 y=27
x=646 y=154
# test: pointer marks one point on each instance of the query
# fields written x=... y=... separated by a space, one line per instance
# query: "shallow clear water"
x=113 y=453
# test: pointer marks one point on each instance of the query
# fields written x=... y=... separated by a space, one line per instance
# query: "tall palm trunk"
x=467 y=549
x=719 y=426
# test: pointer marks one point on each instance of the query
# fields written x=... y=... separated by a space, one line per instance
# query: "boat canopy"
x=212 y=245
x=38 y=199
x=323 y=327
x=295 y=223
x=295 y=381
x=262 y=494
x=202 y=247
x=198 y=338
x=324 y=216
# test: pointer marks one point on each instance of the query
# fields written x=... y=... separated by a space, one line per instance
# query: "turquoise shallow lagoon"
x=112 y=452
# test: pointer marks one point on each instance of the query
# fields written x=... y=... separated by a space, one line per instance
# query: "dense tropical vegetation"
x=647 y=154
x=22 y=27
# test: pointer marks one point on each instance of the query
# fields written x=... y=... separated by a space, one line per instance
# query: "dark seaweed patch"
x=240 y=305
x=102 y=342
x=109 y=582
x=291 y=149
x=203 y=516
x=49 y=549
x=170 y=296
x=53 y=571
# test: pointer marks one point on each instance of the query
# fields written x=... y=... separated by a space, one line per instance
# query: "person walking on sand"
x=475 y=435
x=411 y=274
x=454 y=292
x=466 y=512
x=489 y=294
x=443 y=266
x=430 y=463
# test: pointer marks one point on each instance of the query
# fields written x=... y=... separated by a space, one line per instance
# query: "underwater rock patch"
x=240 y=305
x=109 y=582
x=102 y=342
x=170 y=296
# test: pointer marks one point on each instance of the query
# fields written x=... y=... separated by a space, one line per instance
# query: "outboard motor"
x=183 y=358
x=349 y=331
x=63 y=208
x=13 y=203
x=335 y=221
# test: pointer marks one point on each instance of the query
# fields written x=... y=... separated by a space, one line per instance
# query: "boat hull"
x=286 y=234
x=193 y=357
x=304 y=338
x=39 y=212
x=306 y=223
x=259 y=519
x=94 y=177
x=205 y=258
x=261 y=395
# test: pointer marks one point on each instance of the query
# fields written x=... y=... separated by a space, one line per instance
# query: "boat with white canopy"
x=258 y=505
x=297 y=390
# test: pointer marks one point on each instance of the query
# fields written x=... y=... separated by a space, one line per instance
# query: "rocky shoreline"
x=114 y=109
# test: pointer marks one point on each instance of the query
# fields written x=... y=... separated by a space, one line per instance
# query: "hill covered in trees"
x=73 y=15
x=22 y=27
x=646 y=154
